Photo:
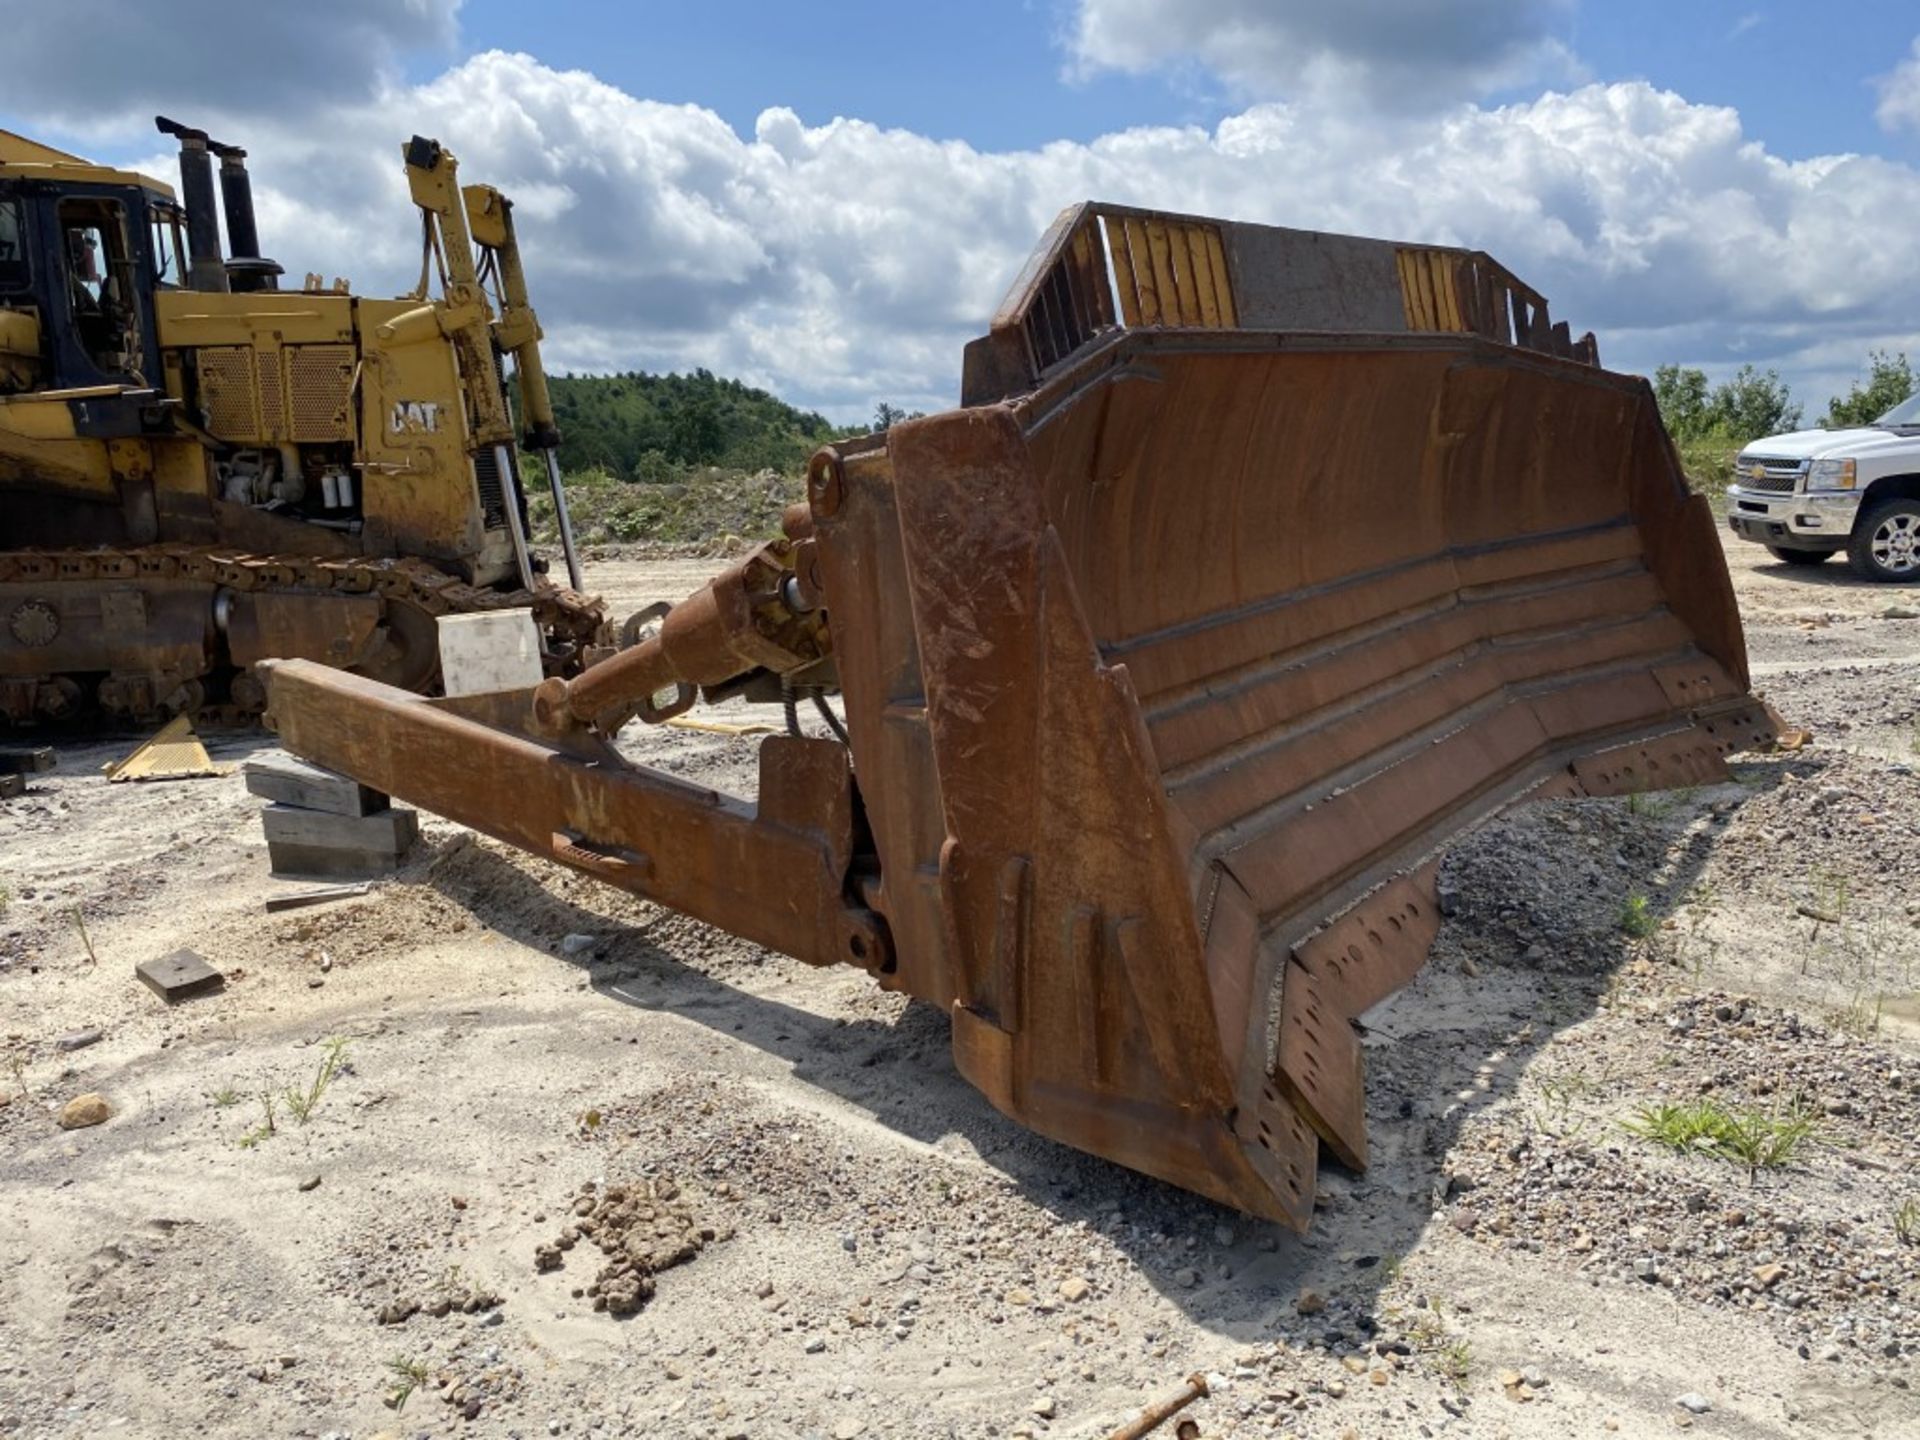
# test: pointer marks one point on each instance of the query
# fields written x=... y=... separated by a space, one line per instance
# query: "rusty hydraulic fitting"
x=796 y=521
x=826 y=480
x=759 y=614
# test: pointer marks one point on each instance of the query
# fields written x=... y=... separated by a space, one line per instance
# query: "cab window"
x=13 y=246
x=100 y=282
x=168 y=266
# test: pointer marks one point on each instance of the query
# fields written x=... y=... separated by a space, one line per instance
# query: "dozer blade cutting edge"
x=1256 y=566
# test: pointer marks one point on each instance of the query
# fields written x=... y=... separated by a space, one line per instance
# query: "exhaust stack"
x=246 y=269
x=205 y=268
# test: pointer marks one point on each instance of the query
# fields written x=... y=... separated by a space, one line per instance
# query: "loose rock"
x=85 y=1110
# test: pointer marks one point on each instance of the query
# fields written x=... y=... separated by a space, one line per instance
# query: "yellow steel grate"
x=321 y=384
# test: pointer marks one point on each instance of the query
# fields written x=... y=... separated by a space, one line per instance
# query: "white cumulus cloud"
x=1899 y=107
x=840 y=263
x=1390 y=54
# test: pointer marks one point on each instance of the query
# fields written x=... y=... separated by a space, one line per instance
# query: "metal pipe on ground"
x=1161 y=1411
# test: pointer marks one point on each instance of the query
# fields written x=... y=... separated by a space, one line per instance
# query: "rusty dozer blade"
x=1257 y=566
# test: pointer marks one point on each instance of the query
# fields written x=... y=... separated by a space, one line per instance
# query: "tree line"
x=645 y=427
x=656 y=428
x=1754 y=403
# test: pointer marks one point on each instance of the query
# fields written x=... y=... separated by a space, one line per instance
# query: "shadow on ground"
x=1437 y=1053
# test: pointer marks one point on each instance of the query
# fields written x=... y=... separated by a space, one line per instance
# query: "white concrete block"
x=494 y=650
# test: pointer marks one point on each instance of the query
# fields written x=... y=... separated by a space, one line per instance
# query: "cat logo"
x=414 y=417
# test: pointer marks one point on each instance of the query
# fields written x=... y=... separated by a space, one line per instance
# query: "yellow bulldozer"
x=201 y=468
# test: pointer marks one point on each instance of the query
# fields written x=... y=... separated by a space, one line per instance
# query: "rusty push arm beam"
x=775 y=874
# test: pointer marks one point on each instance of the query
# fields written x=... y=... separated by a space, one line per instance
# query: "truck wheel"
x=1801 y=557
x=1886 y=542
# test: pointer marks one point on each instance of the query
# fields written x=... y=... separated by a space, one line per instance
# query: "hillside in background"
x=658 y=427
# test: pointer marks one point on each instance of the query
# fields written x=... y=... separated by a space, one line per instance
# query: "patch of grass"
x=1906 y=1222
x=1559 y=1095
x=1708 y=463
x=1451 y=1356
x=1637 y=918
x=302 y=1103
x=266 y=1128
x=1740 y=1137
x=225 y=1097
x=409 y=1374
x=80 y=923
x=17 y=1067
x=1655 y=803
x=1695 y=947
x=1859 y=1016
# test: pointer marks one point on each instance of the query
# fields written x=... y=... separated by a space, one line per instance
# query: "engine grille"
x=322 y=388
x=302 y=393
x=1768 y=473
x=227 y=392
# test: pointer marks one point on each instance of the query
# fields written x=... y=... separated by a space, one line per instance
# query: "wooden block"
x=12 y=785
x=179 y=976
x=386 y=832
x=26 y=762
x=328 y=862
x=288 y=781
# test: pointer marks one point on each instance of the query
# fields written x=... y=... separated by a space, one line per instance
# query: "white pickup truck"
x=1809 y=495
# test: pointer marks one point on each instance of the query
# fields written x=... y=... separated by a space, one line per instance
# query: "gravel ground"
x=571 y=1165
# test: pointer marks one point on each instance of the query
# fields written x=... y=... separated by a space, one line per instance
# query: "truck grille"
x=1767 y=473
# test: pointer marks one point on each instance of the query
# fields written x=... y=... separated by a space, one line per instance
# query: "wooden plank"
x=325 y=862
x=1124 y=280
x=387 y=831
x=1403 y=262
x=1182 y=265
x=1143 y=275
x=1440 y=266
x=1222 y=285
x=1200 y=265
x=288 y=781
x=1164 y=286
x=1423 y=288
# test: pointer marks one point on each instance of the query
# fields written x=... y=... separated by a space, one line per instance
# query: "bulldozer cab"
x=85 y=259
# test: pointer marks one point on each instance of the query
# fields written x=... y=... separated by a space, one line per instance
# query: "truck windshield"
x=1907 y=412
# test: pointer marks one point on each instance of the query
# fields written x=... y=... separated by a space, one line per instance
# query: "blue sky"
x=829 y=199
x=992 y=72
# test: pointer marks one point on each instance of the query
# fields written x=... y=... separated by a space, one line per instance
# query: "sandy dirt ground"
x=480 y=1058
